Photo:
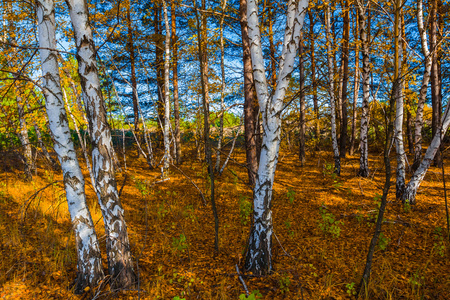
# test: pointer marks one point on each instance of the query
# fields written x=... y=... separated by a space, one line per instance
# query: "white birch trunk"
x=24 y=140
x=259 y=255
x=423 y=89
x=83 y=145
x=398 y=94
x=89 y=265
x=337 y=160
x=117 y=245
x=167 y=157
x=363 y=142
x=413 y=185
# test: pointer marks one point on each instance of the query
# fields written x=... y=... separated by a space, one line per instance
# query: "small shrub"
x=179 y=244
x=245 y=209
x=350 y=287
x=254 y=295
x=290 y=195
x=383 y=241
x=284 y=282
x=439 y=244
x=328 y=224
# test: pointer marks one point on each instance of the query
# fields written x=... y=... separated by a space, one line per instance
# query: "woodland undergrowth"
x=323 y=225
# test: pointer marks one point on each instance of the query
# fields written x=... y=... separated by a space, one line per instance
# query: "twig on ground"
x=242 y=280
x=360 y=187
x=282 y=245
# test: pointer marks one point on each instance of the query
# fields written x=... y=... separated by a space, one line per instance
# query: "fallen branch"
x=287 y=254
x=242 y=280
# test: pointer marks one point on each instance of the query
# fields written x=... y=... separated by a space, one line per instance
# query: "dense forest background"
x=224 y=149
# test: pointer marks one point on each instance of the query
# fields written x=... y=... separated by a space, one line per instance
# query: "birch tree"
x=337 y=160
x=355 y=89
x=120 y=265
x=423 y=89
x=176 y=105
x=417 y=178
x=166 y=132
x=24 y=138
x=89 y=265
x=259 y=251
x=365 y=74
x=397 y=93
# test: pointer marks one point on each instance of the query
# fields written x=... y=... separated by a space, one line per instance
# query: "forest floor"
x=322 y=223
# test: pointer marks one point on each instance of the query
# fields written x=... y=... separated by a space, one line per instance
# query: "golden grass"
x=39 y=262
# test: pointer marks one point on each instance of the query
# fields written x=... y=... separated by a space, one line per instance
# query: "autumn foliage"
x=323 y=225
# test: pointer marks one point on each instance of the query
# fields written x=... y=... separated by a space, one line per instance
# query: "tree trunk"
x=337 y=160
x=251 y=107
x=120 y=264
x=363 y=141
x=436 y=96
x=159 y=62
x=419 y=174
x=313 y=75
x=355 y=89
x=273 y=63
x=89 y=265
x=345 y=54
x=302 y=150
x=203 y=59
x=397 y=93
x=167 y=157
x=131 y=51
x=24 y=139
x=222 y=90
x=408 y=108
x=176 y=105
x=259 y=251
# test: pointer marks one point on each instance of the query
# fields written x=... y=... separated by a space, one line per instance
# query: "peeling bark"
x=259 y=251
x=176 y=105
x=397 y=93
x=337 y=160
x=167 y=157
x=120 y=264
x=363 y=142
x=418 y=126
x=90 y=270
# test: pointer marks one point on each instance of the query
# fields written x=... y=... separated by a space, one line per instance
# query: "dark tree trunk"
x=159 y=62
x=345 y=53
x=302 y=150
x=176 y=104
x=131 y=52
x=251 y=107
x=436 y=96
x=203 y=59
x=355 y=89
x=313 y=75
